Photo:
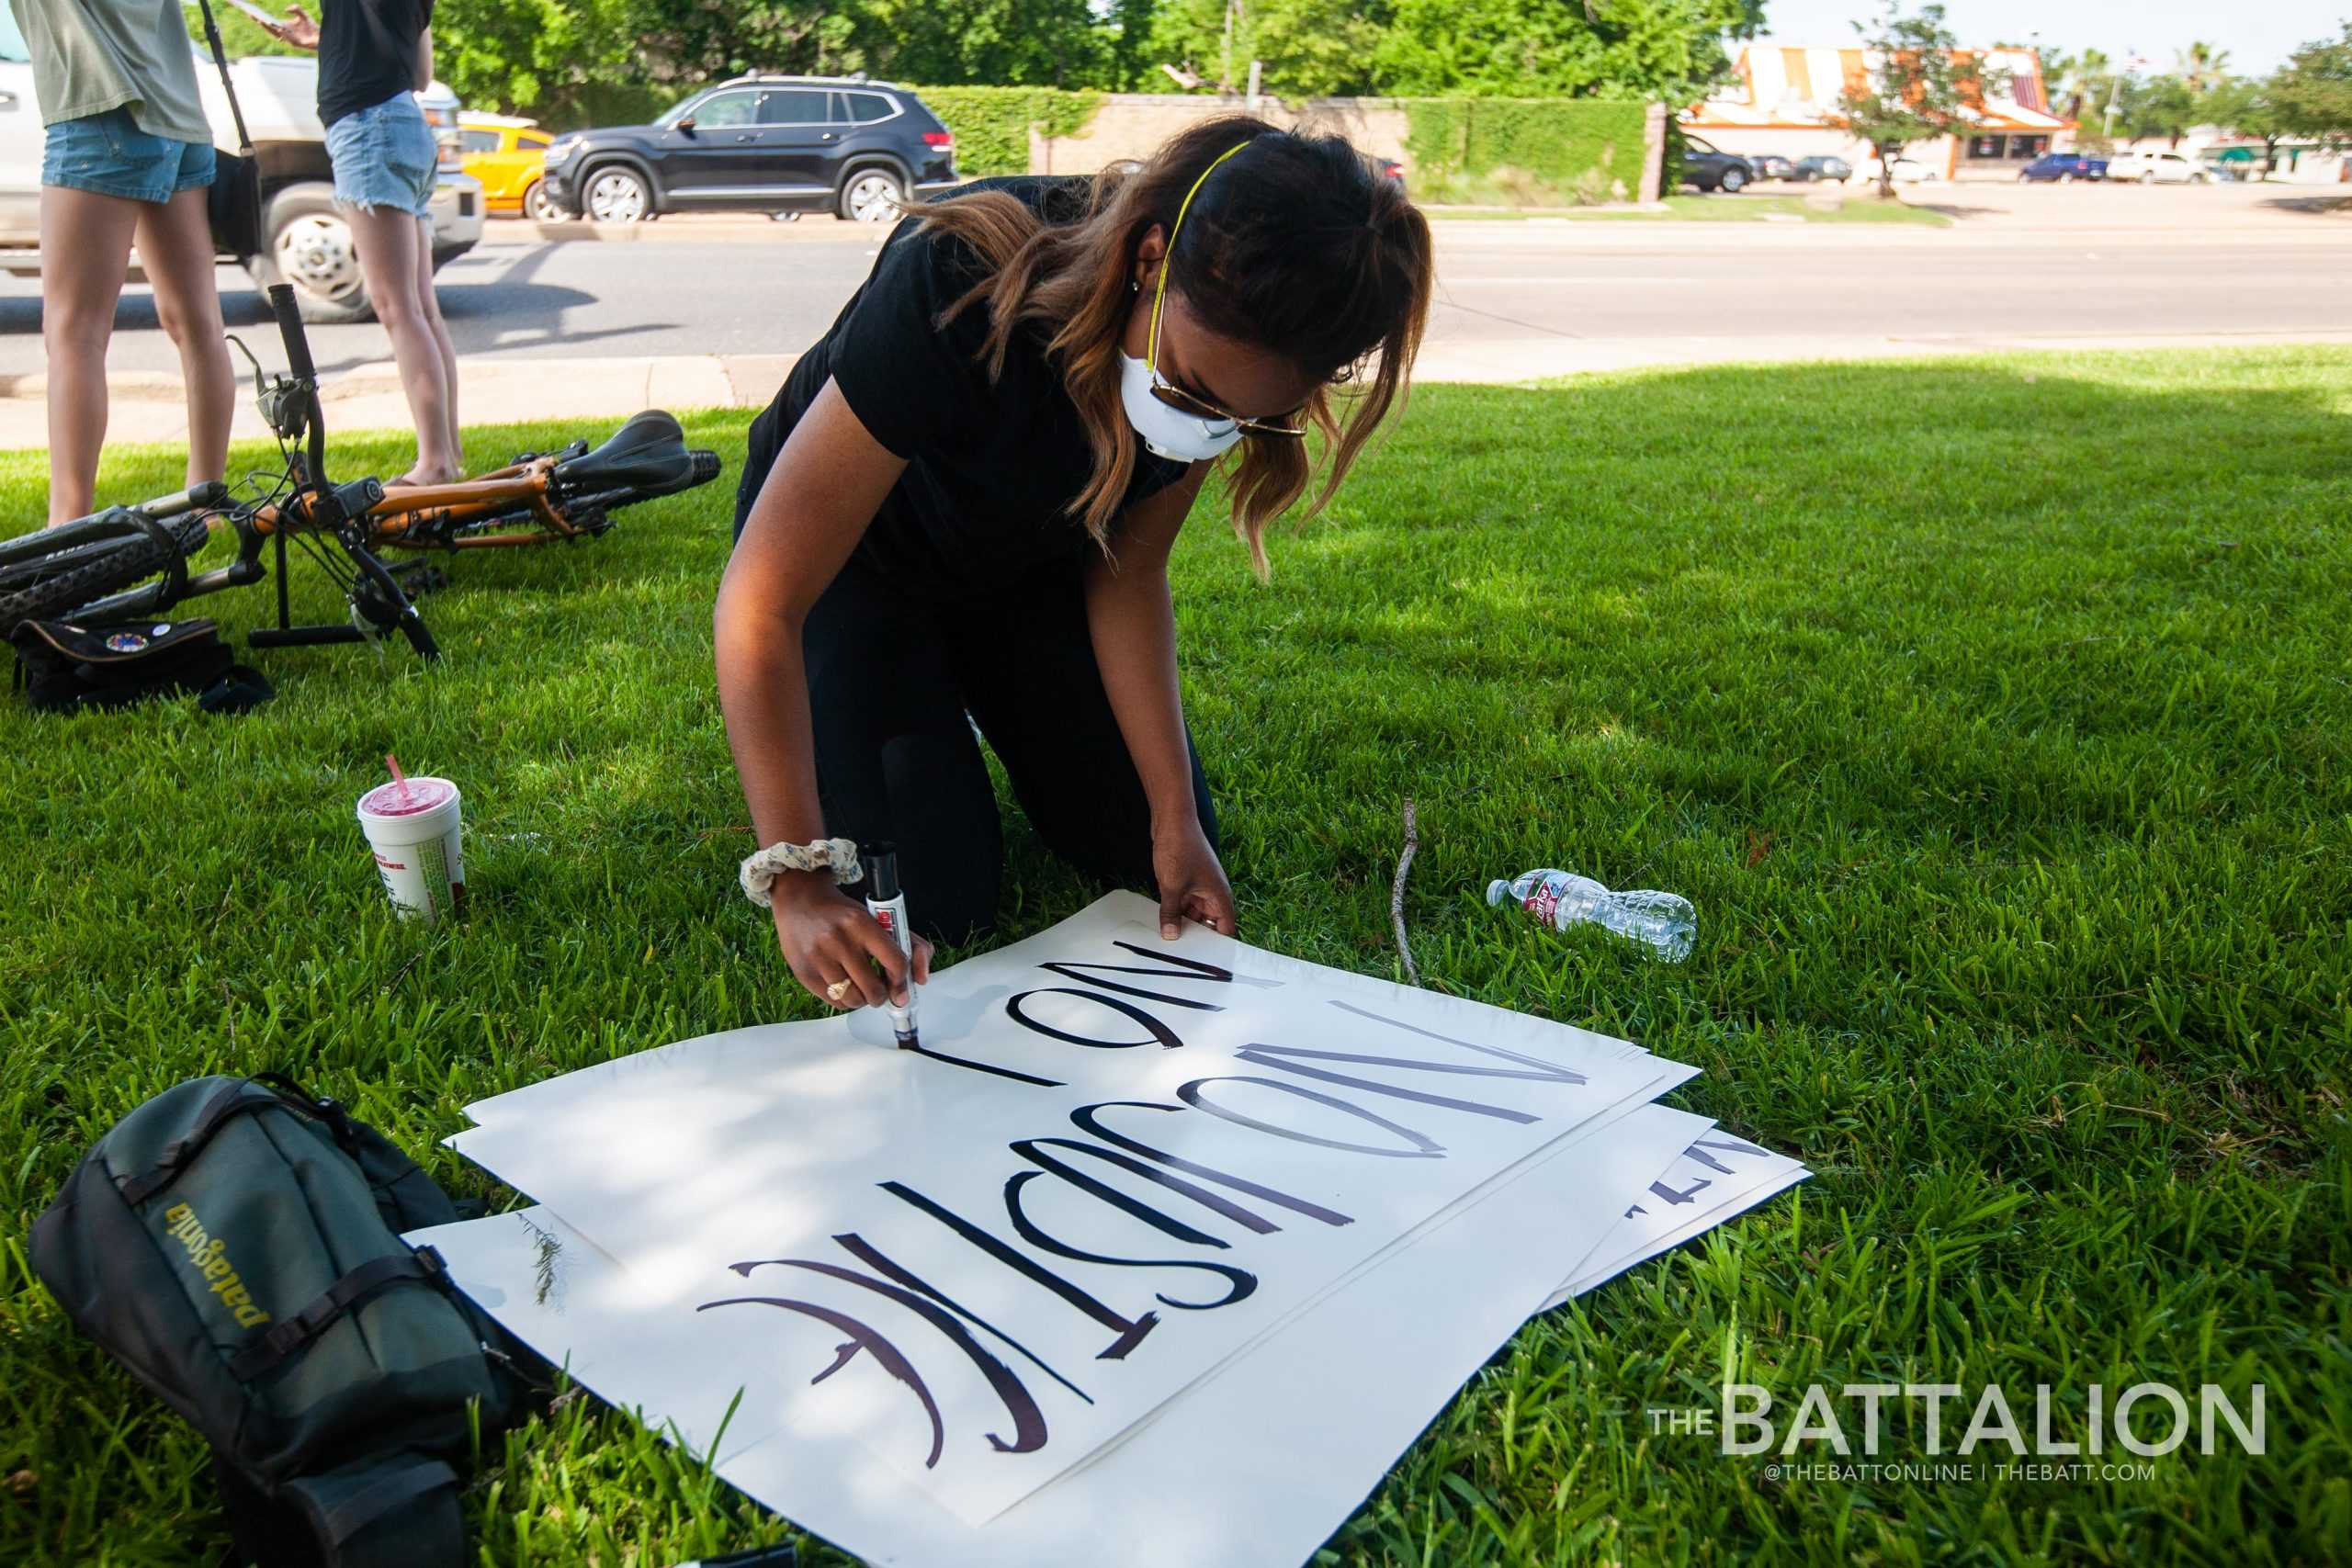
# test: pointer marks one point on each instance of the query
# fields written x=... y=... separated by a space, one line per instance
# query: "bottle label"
x=1544 y=902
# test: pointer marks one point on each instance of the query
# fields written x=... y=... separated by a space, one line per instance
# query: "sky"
x=2258 y=37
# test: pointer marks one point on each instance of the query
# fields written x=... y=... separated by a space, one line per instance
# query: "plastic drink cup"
x=412 y=828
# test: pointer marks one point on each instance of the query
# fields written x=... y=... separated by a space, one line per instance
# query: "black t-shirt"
x=993 y=466
x=367 y=54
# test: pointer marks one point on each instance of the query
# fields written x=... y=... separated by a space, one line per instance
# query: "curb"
x=690 y=229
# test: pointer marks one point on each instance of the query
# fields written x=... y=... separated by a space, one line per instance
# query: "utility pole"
x=1225 y=76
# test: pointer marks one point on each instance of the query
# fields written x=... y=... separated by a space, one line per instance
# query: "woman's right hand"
x=828 y=938
x=298 y=29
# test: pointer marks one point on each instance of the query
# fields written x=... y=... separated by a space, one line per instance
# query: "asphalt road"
x=2019 y=267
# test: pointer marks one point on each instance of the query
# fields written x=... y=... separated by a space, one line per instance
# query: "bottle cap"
x=880 y=863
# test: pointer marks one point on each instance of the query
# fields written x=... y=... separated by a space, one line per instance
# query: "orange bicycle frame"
x=410 y=517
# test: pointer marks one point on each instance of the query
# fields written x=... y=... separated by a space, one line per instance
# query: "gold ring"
x=838 y=990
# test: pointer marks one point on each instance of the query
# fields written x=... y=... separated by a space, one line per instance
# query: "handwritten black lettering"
x=1130 y=1331
x=1028 y=1421
x=1185 y=969
x=1086 y=1120
x=861 y=1338
x=1152 y=1026
x=1240 y=1283
x=1536 y=1067
x=1423 y=1147
x=1028 y=1149
x=857 y=1247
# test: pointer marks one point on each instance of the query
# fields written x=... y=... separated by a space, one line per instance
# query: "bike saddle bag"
x=649 y=453
x=64 y=666
x=236 y=1245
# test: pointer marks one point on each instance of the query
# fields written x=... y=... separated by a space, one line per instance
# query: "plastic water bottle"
x=1661 y=921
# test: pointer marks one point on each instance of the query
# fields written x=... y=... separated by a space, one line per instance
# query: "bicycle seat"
x=649 y=453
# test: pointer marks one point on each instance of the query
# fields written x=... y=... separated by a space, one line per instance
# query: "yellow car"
x=506 y=155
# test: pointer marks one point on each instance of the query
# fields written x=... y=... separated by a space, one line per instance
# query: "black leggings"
x=889 y=685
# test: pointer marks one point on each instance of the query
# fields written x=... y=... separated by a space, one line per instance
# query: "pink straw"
x=399 y=777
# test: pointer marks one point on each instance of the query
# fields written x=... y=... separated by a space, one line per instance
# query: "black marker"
x=887 y=904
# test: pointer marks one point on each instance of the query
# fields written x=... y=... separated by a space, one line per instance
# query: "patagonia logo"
x=209 y=1256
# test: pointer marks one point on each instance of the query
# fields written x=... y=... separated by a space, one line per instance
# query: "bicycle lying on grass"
x=130 y=562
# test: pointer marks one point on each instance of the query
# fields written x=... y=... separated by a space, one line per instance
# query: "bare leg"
x=175 y=247
x=85 y=251
x=388 y=249
x=429 y=305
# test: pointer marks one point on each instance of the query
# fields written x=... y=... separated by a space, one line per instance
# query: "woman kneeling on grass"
x=963 y=500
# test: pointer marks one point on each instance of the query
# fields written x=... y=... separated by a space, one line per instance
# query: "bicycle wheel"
x=38 y=586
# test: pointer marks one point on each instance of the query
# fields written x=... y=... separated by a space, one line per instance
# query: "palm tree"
x=2203 y=67
x=2080 y=78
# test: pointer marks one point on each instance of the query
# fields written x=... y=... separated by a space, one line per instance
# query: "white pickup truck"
x=308 y=243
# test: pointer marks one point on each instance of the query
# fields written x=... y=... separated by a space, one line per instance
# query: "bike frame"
x=431 y=517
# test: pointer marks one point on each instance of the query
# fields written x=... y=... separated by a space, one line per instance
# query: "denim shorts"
x=109 y=154
x=384 y=156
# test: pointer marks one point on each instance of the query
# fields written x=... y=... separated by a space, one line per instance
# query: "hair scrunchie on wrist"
x=761 y=870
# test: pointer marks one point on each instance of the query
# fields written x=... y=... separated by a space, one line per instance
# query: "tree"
x=1670 y=49
x=2311 y=94
x=1310 y=49
x=2248 y=108
x=2083 y=79
x=2161 y=106
x=1918 y=85
x=2203 y=67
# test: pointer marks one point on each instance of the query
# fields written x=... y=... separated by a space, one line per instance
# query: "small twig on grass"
x=401 y=973
x=1396 y=893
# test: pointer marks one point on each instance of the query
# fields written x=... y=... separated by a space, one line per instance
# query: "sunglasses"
x=1164 y=390
x=1176 y=397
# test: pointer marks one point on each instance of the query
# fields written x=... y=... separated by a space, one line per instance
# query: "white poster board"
x=1253 y=1467
x=1119 y=1163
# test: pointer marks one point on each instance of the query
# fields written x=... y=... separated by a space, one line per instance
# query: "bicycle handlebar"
x=289 y=329
x=209 y=496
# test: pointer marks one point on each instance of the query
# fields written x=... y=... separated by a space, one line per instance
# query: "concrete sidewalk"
x=148 y=406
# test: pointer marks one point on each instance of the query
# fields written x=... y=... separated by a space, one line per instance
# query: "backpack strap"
x=230 y=1099
x=264 y=1356
x=397 y=1510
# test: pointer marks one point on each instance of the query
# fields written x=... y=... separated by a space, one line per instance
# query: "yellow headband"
x=1160 y=285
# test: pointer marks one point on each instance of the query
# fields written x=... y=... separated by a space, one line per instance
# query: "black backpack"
x=235 y=1245
x=64 y=666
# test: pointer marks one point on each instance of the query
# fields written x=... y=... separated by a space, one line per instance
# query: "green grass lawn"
x=1862 y=207
x=2011 y=773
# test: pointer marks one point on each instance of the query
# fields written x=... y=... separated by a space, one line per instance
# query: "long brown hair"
x=1295 y=244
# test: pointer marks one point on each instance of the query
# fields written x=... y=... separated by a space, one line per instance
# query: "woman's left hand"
x=1192 y=883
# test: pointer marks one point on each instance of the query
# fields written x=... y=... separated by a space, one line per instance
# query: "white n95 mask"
x=1168 y=432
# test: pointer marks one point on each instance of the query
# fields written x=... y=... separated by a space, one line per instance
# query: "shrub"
x=991 y=124
x=1564 y=150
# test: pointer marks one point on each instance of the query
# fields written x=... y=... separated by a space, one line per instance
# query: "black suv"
x=1709 y=168
x=760 y=144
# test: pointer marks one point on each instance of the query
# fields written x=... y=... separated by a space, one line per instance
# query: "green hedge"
x=991 y=124
x=1525 y=151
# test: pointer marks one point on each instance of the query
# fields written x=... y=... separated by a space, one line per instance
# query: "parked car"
x=1711 y=168
x=1821 y=166
x=760 y=144
x=1907 y=172
x=306 y=243
x=1772 y=166
x=2156 y=169
x=508 y=155
x=2063 y=168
